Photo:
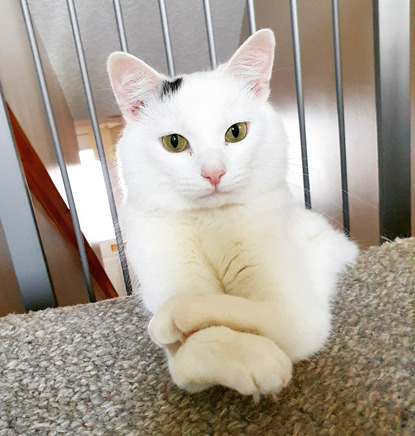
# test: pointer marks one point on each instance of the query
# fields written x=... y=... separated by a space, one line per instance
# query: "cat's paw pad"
x=250 y=364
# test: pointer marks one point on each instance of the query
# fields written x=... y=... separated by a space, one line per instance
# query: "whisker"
x=373 y=206
x=361 y=200
x=322 y=211
x=338 y=205
x=295 y=172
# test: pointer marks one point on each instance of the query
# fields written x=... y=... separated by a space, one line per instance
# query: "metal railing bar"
x=19 y=224
x=166 y=37
x=340 y=115
x=251 y=16
x=300 y=100
x=210 y=36
x=58 y=148
x=98 y=140
x=391 y=28
x=120 y=25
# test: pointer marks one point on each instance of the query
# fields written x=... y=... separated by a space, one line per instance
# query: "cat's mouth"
x=215 y=193
x=215 y=198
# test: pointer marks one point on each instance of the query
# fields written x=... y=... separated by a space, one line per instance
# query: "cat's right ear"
x=132 y=81
x=252 y=62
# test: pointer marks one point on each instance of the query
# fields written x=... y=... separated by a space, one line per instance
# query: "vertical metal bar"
x=209 y=30
x=340 y=115
x=58 y=148
x=391 y=43
x=300 y=100
x=120 y=25
x=98 y=140
x=19 y=224
x=251 y=16
x=166 y=36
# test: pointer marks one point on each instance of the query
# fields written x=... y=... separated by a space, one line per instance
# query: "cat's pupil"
x=174 y=140
x=235 y=130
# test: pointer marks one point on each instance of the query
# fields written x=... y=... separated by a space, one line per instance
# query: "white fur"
x=240 y=280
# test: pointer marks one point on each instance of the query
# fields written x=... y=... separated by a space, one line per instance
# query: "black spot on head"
x=169 y=87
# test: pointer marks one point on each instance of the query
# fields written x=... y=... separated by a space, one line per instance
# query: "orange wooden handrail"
x=43 y=188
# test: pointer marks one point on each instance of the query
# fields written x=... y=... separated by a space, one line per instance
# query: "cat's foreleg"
x=298 y=332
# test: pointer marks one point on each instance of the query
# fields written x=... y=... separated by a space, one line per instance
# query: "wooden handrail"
x=43 y=188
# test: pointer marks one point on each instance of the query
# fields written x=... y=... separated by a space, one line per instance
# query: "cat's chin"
x=216 y=199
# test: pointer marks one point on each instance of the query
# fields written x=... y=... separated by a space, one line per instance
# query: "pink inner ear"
x=129 y=104
x=253 y=62
x=133 y=81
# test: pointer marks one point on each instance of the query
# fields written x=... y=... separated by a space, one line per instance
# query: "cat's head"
x=201 y=140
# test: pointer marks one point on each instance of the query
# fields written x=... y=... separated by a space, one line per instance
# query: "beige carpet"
x=92 y=370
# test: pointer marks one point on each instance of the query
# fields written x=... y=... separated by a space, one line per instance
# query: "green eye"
x=236 y=132
x=175 y=143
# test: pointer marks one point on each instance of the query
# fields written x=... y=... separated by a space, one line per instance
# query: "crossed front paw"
x=250 y=364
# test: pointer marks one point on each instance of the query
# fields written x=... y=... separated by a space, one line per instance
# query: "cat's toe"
x=269 y=367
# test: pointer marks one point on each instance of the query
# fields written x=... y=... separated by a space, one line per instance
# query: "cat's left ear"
x=133 y=82
x=252 y=62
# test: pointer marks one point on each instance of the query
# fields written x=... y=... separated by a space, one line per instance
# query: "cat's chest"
x=235 y=247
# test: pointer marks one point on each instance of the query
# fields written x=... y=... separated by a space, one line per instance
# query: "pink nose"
x=213 y=175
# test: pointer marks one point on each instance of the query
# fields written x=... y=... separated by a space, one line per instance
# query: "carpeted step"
x=92 y=370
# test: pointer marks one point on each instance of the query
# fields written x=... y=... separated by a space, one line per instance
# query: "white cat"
x=239 y=278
